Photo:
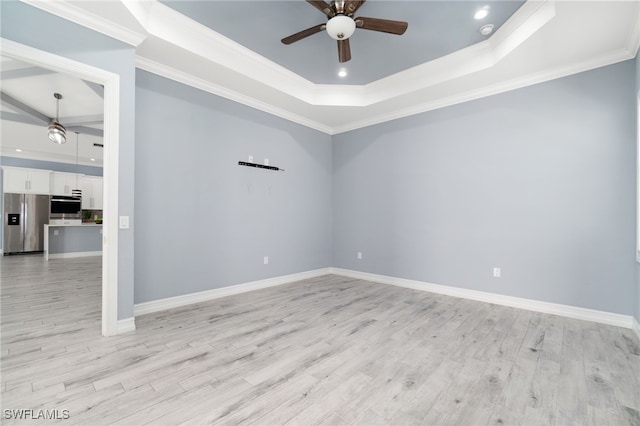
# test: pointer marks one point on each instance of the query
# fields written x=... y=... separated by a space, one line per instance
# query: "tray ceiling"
x=233 y=49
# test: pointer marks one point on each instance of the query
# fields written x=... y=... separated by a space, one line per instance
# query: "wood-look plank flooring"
x=326 y=351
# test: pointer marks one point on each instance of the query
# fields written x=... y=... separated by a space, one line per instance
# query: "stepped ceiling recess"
x=233 y=49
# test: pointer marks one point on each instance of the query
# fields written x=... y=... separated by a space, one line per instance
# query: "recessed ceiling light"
x=342 y=72
x=18 y=150
x=482 y=13
x=93 y=159
x=485 y=30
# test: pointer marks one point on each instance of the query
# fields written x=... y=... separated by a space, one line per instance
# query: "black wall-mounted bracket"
x=259 y=166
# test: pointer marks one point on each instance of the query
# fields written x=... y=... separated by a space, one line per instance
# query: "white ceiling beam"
x=82 y=120
x=12 y=102
x=24 y=72
x=98 y=89
x=85 y=130
x=18 y=118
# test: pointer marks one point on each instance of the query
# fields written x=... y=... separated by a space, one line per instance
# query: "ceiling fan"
x=341 y=24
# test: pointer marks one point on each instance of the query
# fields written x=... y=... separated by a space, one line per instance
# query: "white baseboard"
x=636 y=327
x=619 y=320
x=126 y=325
x=74 y=254
x=203 y=296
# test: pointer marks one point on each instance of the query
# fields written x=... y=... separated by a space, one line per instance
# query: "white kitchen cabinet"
x=63 y=183
x=91 y=192
x=26 y=181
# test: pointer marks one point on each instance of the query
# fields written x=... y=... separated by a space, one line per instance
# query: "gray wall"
x=28 y=25
x=205 y=222
x=637 y=63
x=539 y=181
x=45 y=165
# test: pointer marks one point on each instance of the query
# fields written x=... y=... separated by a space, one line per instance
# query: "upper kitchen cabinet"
x=91 y=192
x=63 y=183
x=20 y=180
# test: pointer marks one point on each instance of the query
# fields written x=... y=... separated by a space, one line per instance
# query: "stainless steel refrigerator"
x=24 y=218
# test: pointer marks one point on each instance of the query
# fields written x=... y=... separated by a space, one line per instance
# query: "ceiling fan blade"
x=303 y=34
x=350 y=6
x=344 y=51
x=322 y=7
x=383 y=25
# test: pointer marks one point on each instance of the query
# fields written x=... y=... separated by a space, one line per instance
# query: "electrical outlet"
x=56 y=232
x=266 y=260
x=359 y=255
x=251 y=159
x=497 y=272
x=266 y=161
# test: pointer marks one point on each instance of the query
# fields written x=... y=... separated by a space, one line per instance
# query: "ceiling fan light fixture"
x=57 y=132
x=340 y=27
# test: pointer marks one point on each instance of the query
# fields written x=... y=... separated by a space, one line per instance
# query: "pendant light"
x=57 y=132
x=77 y=193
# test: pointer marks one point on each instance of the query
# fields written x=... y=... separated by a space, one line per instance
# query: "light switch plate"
x=124 y=222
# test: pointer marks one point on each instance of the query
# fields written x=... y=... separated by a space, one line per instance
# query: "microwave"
x=63 y=207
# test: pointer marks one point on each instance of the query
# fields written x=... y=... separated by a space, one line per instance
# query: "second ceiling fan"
x=341 y=24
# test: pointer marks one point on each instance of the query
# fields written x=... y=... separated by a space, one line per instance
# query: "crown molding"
x=403 y=91
x=216 y=89
x=516 y=83
x=171 y=26
x=77 y=15
x=167 y=24
x=494 y=89
x=527 y=20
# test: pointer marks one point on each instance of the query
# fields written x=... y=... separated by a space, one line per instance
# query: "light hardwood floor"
x=329 y=350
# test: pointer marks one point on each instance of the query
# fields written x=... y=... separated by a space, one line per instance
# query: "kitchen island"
x=65 y=241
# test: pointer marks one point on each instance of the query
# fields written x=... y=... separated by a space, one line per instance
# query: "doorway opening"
x=111 y=83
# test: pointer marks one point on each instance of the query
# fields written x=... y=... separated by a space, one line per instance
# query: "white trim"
x=126 y=325
x=483 y=92
x=111 y=83
x=89 y=20
x=110 y=206
x=216 y=89
x=635 y=326
x=171 y=26
x=203 y=296
x=568 y=311
x=362 y=91
x=179 y=30
x=71 y=255
x=638 y=178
